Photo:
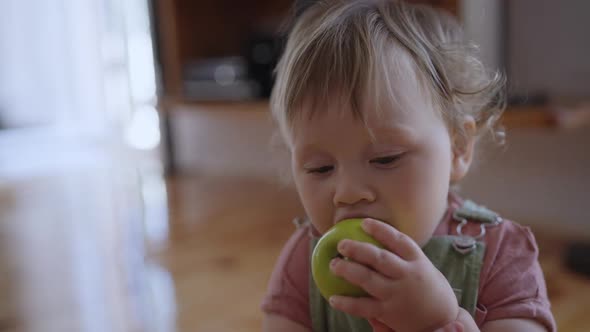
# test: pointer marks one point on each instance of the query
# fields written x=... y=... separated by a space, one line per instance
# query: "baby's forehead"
x=398 y=88
x=383 y=112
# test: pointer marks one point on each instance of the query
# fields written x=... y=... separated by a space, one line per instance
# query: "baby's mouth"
x=356 y=216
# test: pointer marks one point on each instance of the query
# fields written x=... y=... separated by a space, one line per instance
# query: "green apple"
x=326 y=249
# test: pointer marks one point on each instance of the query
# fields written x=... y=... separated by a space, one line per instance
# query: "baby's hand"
x=407 y=293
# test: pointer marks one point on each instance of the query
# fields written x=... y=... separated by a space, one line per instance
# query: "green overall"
x=458 y=257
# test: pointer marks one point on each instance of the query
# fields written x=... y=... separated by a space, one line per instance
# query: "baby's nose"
x=350 y=191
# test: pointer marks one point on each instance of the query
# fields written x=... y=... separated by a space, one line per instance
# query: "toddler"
x=380 y=104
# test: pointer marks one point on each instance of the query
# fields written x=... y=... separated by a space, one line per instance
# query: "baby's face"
x=401 y=177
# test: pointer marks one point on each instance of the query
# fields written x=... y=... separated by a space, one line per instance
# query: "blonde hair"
x=346 y=51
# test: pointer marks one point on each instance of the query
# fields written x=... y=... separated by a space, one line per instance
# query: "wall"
x=549 y=47
x=481 y=21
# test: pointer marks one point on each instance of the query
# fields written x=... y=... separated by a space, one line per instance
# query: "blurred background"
x=139 y=190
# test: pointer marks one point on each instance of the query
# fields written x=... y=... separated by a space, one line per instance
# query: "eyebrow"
x=396 y=132
x=306 y=150
x=391 y=133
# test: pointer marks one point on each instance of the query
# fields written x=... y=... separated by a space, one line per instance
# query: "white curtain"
x=74 y=71
x=78 y=66
x=50 y=59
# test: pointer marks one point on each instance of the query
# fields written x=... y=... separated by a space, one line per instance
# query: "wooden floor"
x=125 y=250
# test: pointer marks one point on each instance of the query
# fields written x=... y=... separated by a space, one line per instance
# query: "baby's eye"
x=320 y=170
x=388 y=160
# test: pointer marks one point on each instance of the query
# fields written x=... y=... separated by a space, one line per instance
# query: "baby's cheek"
x=320 y=217
x=404 y=220
x=417 y=222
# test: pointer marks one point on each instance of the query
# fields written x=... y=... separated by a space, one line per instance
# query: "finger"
x=394 y=240
x=378 y=326
x=364 y=307
x=371 y=281
x=380 y=260
x=451 y=327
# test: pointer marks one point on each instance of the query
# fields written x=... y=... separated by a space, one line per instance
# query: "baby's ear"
x=463 y=146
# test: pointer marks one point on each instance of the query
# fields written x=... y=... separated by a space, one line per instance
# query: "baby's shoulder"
x=511 y=278
x=510 y=250
x=510 y=235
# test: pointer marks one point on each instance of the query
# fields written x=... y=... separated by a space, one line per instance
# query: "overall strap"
x=462 y=270
x=471 y=212
x=476 y=213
